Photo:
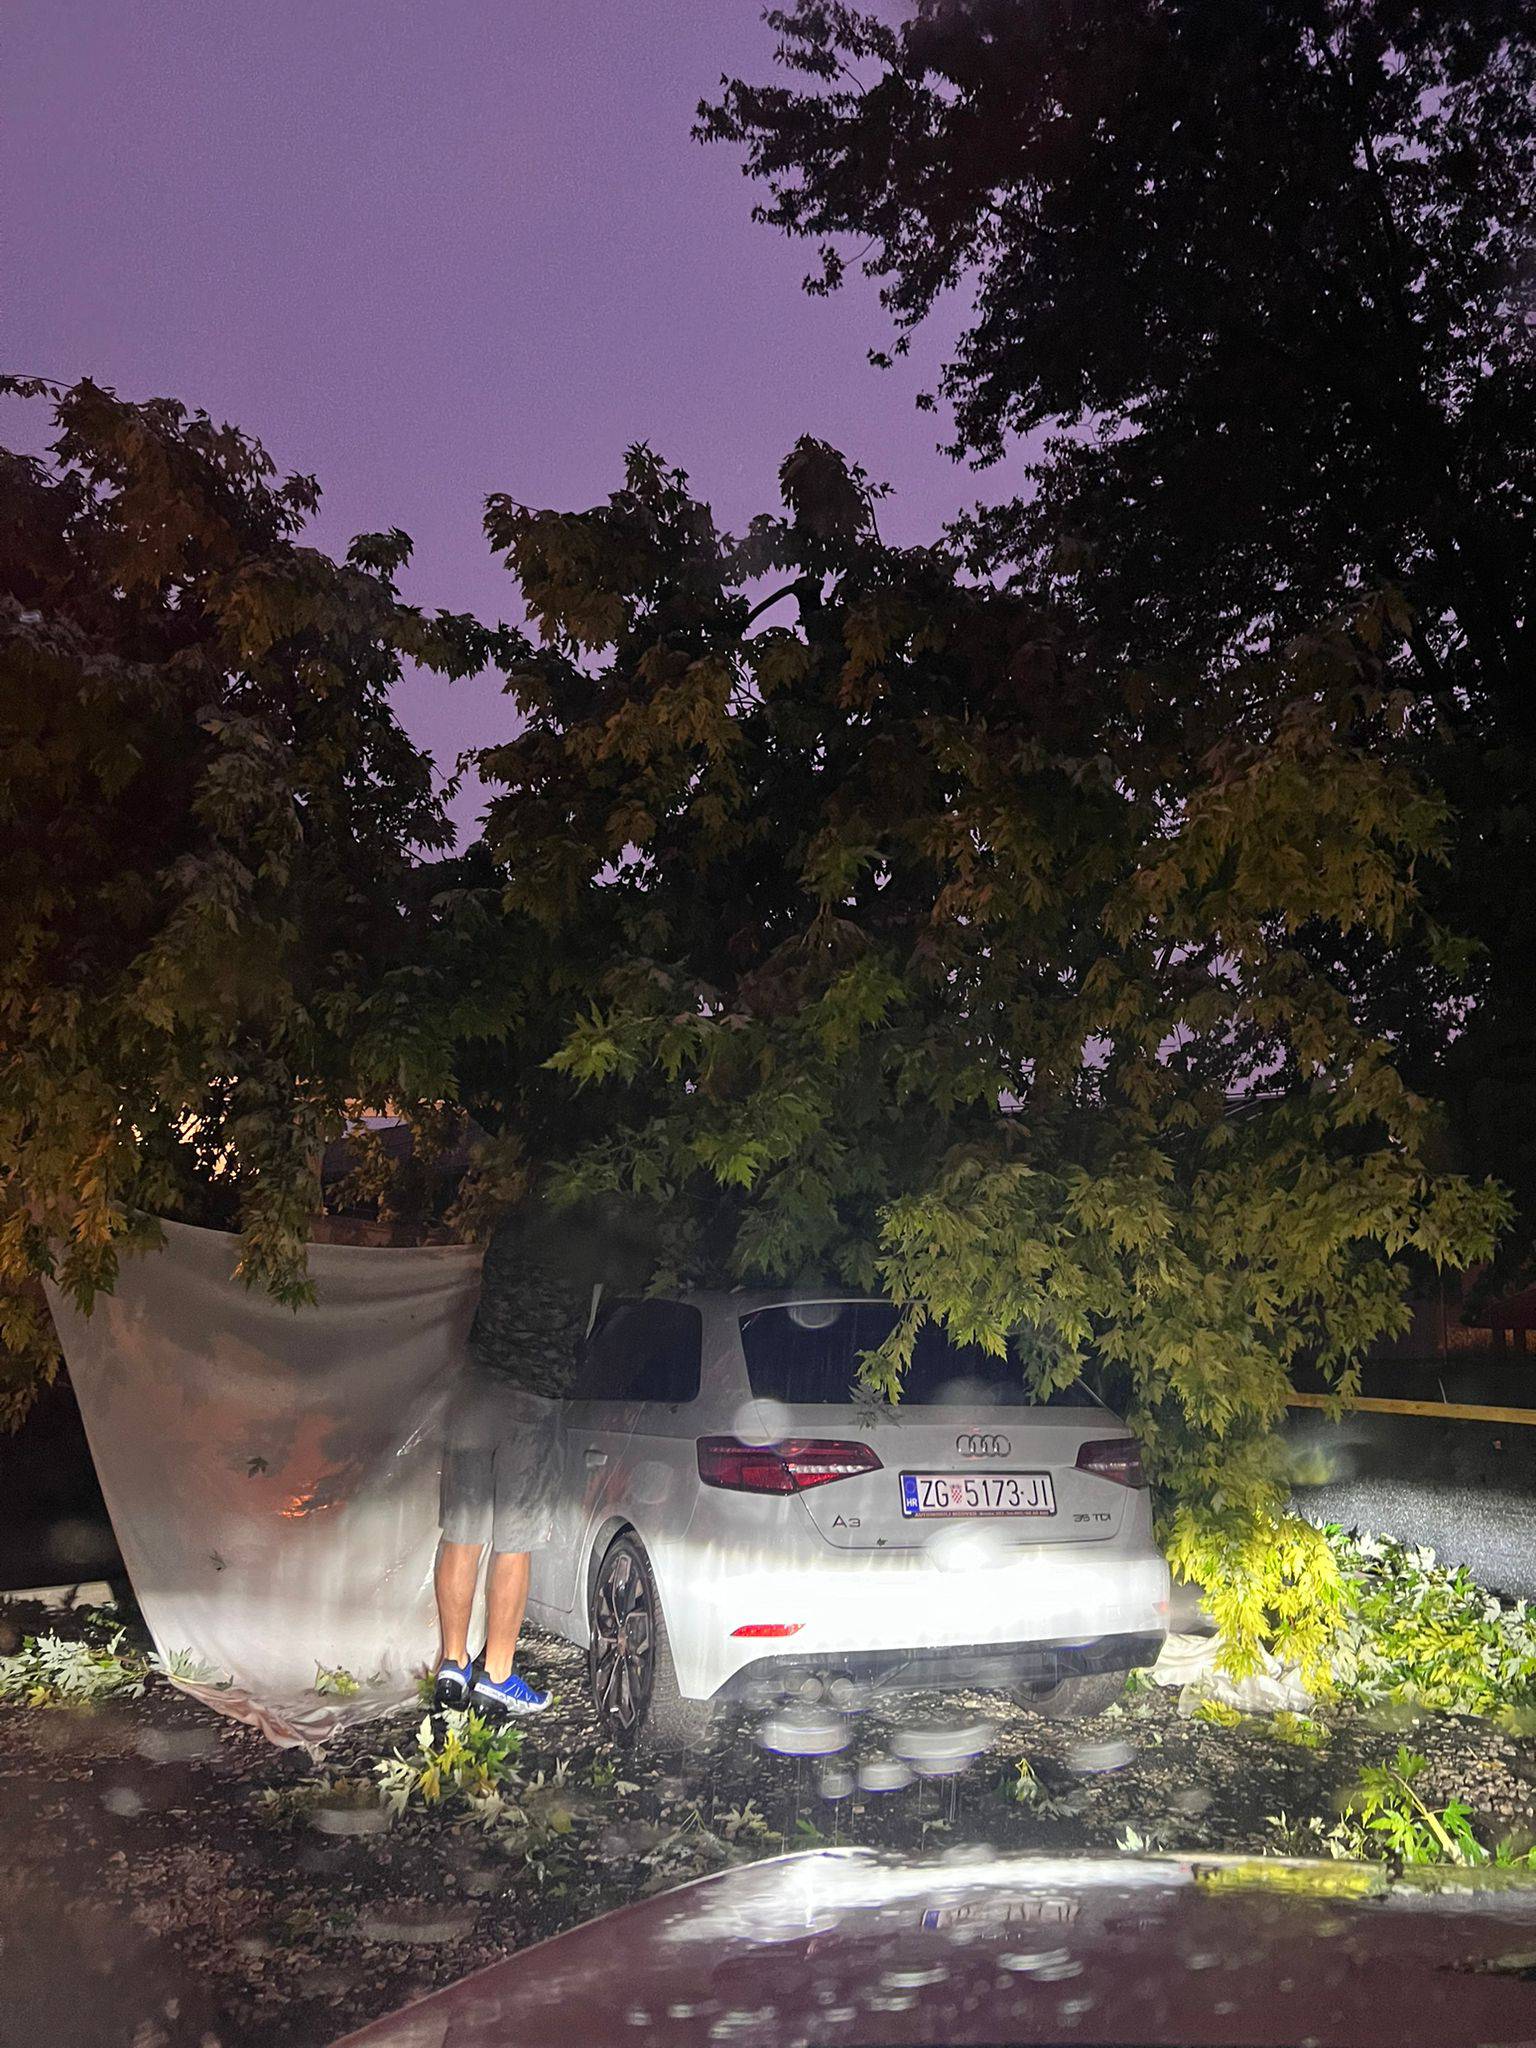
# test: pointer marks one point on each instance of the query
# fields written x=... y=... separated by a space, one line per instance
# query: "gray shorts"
x=502 y=1454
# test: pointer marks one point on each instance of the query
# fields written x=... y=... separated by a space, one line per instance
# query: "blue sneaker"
x=452 y=1686
x=510 y=1695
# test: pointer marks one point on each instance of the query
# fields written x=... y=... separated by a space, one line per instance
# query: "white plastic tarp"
x=271 y=1474
x=1192 y=1664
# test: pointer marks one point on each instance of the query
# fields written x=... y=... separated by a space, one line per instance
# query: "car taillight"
x=789 y=1467
x=1113 y=1457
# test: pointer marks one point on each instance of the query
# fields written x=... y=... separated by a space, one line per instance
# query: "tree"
x=219 y=931
x=943 y=957
x=1259 y=279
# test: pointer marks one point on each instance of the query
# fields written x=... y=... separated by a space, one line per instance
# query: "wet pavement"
x=1467 y=1489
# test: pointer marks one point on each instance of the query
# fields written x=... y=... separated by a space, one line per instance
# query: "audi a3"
x=738 y=1519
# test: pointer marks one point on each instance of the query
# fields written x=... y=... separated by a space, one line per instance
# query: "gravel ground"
x=152 y=1897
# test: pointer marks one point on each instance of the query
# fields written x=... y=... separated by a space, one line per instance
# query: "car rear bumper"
x=878 y=1613
x=982 y=1665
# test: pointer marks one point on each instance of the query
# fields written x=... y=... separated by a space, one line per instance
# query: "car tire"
x=629 y=1661
x=1077 y=1698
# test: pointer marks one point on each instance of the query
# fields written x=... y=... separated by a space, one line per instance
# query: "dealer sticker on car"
x=977 y=1493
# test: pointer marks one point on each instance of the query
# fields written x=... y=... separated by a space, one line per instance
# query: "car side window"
x=642 y=1351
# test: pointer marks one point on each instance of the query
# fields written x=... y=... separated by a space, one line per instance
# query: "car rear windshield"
x=809 y=1351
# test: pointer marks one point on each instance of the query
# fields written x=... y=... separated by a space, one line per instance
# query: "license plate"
x=977 y=1493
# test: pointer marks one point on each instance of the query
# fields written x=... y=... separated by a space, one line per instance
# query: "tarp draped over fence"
x=271 y=1474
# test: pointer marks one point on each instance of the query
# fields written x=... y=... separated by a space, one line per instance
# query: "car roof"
x=1378 y=1964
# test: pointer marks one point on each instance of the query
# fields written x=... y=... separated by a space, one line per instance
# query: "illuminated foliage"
x=1387 y=1815
x=1245 y=297
x=464 y=1760
x=1426 y=1635
x=968 y=965
x=864 y=922
x=216 y=929
x=50 y=1671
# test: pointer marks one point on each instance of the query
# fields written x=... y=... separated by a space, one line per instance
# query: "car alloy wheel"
x=623 y=1642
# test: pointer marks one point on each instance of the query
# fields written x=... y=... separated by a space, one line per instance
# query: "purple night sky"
x=432 y=250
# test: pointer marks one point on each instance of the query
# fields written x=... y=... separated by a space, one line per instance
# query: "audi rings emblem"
x=983 y=1446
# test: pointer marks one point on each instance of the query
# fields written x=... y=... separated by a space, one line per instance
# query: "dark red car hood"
x=850 y=1947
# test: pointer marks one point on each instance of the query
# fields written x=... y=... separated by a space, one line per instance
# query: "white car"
x=735 y=1519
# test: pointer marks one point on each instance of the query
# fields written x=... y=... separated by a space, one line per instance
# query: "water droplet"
x=1089 y=1757
x=1033 y=1962
x=803 y=1731
x=835 y=1782
x=881 y=1773
x=174 y=1745
x=761 y=1422
x=937 y=1749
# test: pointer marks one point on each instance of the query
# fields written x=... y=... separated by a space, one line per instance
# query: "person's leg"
x=465 y=1503
x=453 y=1580
x=506 y=1600
x=520 y=1522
